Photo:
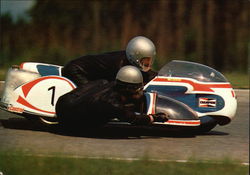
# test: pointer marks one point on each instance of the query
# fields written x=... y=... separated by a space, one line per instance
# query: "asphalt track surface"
x=223 y=142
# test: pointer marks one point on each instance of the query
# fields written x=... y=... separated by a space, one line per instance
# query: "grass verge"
x=238 y=80
x=22 y=164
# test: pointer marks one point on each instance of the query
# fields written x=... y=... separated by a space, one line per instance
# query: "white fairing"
x=230 y=100
x=28 y=92
x=223 y=90
x=15 y=78
x=33 y=66
x=202 y=88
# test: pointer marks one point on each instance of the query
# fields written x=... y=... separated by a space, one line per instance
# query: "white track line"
x=132 y=159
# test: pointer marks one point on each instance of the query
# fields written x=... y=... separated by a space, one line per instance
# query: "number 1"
x=53 y=94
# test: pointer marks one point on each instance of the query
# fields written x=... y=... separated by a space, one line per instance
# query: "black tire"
x=207 y=124
x=206 y=128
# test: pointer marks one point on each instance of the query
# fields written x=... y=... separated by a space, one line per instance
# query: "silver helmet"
x=129 y=78
x=140 y=48
x=129 y=74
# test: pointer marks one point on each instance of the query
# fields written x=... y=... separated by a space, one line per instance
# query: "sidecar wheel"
x=48 y=120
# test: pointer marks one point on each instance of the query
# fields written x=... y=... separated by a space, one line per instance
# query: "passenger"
x=99 y=101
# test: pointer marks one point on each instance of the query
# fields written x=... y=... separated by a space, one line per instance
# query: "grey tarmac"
x=223 y=142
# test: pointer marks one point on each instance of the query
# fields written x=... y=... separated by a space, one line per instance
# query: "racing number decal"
x=53 y=88
x=47 y=86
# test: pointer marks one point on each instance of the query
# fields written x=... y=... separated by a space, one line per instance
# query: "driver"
x=140 y=52
x=97 y=102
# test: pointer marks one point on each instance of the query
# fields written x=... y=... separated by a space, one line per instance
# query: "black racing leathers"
x=95 y=103
x=95 y=100
x=94 y=67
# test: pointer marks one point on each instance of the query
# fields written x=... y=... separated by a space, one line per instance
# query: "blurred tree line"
x=212 y=32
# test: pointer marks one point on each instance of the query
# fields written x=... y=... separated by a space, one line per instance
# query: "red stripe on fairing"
x=22 y=101
x=184 y=122
x=22 y=65
x=153 y=103
x=196 y=86
x=233 y=94
x=27 y=87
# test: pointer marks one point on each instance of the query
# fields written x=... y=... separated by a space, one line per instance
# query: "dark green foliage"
x=214 y=32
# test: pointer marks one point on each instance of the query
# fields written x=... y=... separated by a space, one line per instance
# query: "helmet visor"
x=146 y=63
x=128 y=88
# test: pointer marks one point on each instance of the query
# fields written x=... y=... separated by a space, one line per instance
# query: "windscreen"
x=193 y=70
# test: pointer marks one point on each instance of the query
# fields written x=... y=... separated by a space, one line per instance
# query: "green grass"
x=22 y=164
x=238 y=80
x=2 y=74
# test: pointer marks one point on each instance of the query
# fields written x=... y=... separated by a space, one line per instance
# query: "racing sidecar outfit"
x=104 y=66
x=96 y=103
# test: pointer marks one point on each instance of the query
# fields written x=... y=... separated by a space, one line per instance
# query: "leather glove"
x=160 y=117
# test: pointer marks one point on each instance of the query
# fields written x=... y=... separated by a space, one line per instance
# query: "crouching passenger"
x=97 y=102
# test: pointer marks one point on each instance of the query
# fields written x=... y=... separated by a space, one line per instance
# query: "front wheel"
x=207 y=124
x=206 y=128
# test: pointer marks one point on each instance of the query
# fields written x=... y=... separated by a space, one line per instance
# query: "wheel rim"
x=49 y=121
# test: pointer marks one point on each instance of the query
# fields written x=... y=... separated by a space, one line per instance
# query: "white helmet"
x=129 y=78
x=140 y=48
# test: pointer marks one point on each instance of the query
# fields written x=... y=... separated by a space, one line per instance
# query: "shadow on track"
x=21 y=124
x=217 y=133
x=107 y=132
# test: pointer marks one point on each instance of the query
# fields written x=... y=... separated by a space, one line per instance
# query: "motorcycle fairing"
x=191 y=92
x=39 y=96
x=179 y=114
x=42 y=68
x=189 y=84
x=192 y=100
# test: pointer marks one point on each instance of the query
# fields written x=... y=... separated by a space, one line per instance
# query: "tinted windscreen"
x=196 y=71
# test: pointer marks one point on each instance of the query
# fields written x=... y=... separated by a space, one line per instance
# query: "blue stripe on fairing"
x=45 y=70
x=167 y=89
x=192 y=100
